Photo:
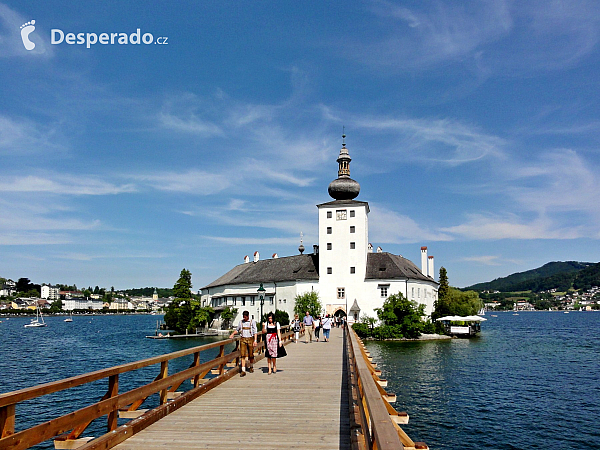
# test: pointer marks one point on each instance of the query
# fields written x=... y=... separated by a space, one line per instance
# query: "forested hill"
x=553 y=275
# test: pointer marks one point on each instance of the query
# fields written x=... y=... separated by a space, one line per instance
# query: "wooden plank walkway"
x=303 y=406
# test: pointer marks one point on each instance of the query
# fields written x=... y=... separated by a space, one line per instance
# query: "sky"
x=473 y=128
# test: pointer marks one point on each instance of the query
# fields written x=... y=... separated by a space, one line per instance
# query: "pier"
x=325 y=395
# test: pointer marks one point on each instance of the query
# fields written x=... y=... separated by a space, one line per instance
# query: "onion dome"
x=344 y=187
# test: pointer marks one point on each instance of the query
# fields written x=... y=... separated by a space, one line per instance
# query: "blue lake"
x=31 y=356
x=529 y=381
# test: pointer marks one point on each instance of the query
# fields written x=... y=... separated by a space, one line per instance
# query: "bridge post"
x=7 y=420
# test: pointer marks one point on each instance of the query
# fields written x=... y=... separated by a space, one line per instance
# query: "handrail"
x=374 y=422
x=114 y=402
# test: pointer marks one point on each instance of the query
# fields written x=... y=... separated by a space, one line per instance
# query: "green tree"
x=443 y=287
x=183 y=287
x=56 y=306
x=403 y=315
x=227 y=315
x=280 y=316
x=309 y=301
x=186 y=312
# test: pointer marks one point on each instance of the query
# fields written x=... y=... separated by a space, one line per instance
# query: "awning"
x=460 y=319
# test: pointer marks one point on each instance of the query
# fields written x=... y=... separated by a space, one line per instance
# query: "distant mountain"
x=553 y=275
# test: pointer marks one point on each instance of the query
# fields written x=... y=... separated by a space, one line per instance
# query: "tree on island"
x=186 y=312
x=309 y=301
x=399 y=317
x=454 y=302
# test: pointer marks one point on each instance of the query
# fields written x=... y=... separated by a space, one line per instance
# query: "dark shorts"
x=247 y=347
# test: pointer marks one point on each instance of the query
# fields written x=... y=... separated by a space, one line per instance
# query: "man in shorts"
x=247 y=329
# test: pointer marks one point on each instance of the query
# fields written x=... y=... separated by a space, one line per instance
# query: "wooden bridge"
x=325 y=395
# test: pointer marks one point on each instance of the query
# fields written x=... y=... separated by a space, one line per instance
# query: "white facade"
x=50 y=292
x=343 y=241
x=82 y=303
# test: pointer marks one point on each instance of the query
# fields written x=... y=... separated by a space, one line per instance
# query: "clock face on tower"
x=341 y=214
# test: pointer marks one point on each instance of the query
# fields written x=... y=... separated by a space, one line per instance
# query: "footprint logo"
x=26 y=30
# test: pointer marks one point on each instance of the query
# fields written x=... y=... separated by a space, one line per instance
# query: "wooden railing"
x=67 y=429
x=374 y=423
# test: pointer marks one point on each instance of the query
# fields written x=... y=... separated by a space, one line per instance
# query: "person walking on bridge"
x=326 y=323
x=247 y=329
x=308 y=327
x=274 y=343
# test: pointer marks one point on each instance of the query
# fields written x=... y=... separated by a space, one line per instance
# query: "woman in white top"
x=317 y=324
x=326 y=323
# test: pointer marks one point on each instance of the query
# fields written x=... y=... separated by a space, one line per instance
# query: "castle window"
x=329 y=246
x=352 y=213
x=329 y=214
x=352 y=229
x=352 y=269
x=341 y=293
x=329 y=231
x=384 y=291
x=352 y=245
x=329 y=271
x=341 y=214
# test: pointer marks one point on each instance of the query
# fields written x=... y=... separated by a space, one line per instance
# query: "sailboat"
x=70 y=318
x=38 y=321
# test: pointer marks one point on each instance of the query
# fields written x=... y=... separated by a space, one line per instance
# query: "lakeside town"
x=54 y=299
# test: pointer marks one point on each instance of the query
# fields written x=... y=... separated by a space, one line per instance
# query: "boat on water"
x=462 y=326
x=38 y=321
x=70 y=318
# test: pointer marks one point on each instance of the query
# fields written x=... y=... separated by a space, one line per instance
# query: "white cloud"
x=23 y=137
x=192 y=181
x=63 y=184
x=390 y=227
x=437 y=140
x=509 y=226
x=190 y=124
x=33 y=238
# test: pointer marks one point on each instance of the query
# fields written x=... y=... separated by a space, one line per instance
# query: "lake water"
x=529 y=381
x=31 y=356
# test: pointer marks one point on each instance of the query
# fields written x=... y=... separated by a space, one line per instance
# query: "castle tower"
x=343 y=239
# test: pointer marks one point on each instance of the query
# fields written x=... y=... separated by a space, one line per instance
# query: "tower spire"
x=344 y=188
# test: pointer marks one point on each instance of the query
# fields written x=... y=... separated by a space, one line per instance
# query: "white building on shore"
x=350 y=278
x=50 y=292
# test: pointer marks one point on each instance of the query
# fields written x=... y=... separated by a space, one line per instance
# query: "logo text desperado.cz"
x=58 y=36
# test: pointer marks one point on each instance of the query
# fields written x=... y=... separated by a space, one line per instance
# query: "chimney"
x=256 y=256
x=430 y=271
x=246 y=259
x=316 y=249
x=275 y=256
x=370 y=248
x=379 y=250
x=424 y=260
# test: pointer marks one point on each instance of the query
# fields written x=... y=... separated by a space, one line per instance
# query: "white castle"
x=350 y=278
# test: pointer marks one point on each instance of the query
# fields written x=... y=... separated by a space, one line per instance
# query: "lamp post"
x=261 y=296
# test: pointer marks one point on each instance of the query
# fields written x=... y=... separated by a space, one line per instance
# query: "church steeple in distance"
x=344 y=187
